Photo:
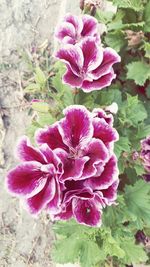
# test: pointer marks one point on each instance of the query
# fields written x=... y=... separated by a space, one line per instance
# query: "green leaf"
x=90 y=254
x=138 y=71
x=133 y=253
x=67 y=250
x=147 y=17
x=40 y=77
x=147 y=49
x=45 y=119
x=133 y=4
x=132 y=111
x=122 y=145
x=104 y=16
x=108 y=96
x=139 y=168
x=65 y=93
x=116 y=40
x=40 y=107
x=138 y=201
x=32 y=88
x=148 y=91
x=142 y=131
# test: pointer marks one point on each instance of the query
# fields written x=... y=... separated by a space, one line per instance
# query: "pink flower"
x=73 y=29
x=89 y=66
x=145 y=156
x=35 y=180
x=74 y=171
x=83 y=141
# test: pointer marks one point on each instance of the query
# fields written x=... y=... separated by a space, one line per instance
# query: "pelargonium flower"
x=89 y=66
x=35 y=179
x=73 y=29
x=83 y=141
x=145 y=156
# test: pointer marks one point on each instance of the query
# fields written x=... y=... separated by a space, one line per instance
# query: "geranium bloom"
x=145 y=155
x=83 y=141
x=89 y=66
x=35 y=180
x=73 y=29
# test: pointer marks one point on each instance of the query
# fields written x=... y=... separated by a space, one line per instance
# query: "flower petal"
x=110 y=57
x=72 y=168
x=65 y=214
x=102 y=82
x=72 y=79
x=53 y=206
x=76 y=128
x=87 y=211
x=104 y=131
x=93 y=54
x=107 y=178
x=76 y=22
x=89 y=26
x=26 y=152
x=65 y=29
x=72 y=56
x=100 y=113
x=36 y=203
x=26 y=179
x=50 y=136
x=110 y=194
x=98 y=155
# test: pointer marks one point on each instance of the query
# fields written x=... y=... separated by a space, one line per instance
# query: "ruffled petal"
x=100 y=113
x=38 y=202
x=51 y=157
x=98 y=156
x=72 y=168
x=72 y=56
x=76 y=128
x=26 y=179
x=110 y=57
x=87 y=211
x=65 y=214
x=26 y=152
x=102 y=82
x=110 y=194
x=65 y=29
x=53 y=206
x=104 y=131
x=50 y=136
x=107 y=178
x=93 y=54
x=89 y=26
x=76 y=22
x=71 y=79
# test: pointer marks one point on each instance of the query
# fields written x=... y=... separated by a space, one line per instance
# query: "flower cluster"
x=73 y=172
x=145 y=155
x=89 y=65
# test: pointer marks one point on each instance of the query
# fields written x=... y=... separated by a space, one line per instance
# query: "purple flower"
x=83 y=141
x=73 y=29
x=89 y=66
x=35 y=180
x=74 y=171
x=145 y=156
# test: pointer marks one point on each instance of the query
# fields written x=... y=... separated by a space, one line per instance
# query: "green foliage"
x=115 y=39
x=133 y=4
x=113 y=244
x=138 y=71
x=138 y=201
x=147 y=17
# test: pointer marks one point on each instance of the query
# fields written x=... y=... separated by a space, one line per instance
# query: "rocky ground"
x=24 y=241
